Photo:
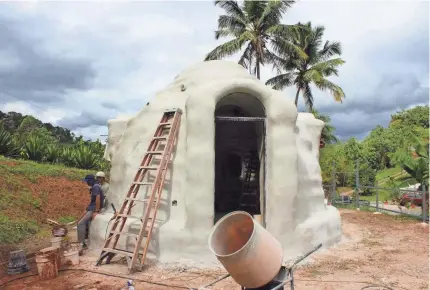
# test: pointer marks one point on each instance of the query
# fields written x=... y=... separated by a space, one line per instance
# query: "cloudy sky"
x=79 y=64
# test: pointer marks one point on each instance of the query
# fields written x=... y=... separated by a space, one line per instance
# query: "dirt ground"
x=375 y=249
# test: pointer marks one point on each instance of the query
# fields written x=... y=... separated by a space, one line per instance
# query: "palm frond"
x=328 y=67
x=226 y=49
x=336 y=91
x=330 y=49
x=276 y=61
x=273 y=12
x=254 y=9
x=245 y=59
x=281 y=81
x=231 y=8
x=231 y=22
x=224 y=33
x=312 y=75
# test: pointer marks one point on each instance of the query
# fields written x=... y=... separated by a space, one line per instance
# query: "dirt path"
x=374 y=249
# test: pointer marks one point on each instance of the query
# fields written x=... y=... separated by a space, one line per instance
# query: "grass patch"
x=32 y=170
x=15 y=231
x=383 y=174
x=66 y=219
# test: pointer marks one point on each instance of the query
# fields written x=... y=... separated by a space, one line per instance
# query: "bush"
x=34 y=149
x=7 y=144
x=53 y=153
x=86 y=158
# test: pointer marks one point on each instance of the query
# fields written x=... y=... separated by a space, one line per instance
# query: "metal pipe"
x=240 y=119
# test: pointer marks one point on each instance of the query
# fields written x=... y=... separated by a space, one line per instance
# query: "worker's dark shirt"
x=96 y=189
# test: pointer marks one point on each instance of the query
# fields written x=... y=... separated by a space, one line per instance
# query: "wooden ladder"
x=169 y=123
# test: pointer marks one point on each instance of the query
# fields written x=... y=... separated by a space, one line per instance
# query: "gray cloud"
x=392 y=92
x=31 y=73
x=86 y=119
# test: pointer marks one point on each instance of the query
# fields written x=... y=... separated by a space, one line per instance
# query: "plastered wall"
x=293 y=179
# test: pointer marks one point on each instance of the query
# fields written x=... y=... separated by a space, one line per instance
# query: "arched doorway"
x=239 y=155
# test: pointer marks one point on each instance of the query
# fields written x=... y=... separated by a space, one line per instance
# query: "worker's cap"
x=100 y=174
x=88 y=178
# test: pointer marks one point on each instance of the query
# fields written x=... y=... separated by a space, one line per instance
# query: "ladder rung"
x=135 y=199
x=146 y=200
x=160 y=138
x=120 y=252
x=148 y=167
x=142 y=183
x=165 y=123
x=129 y=216
x=155 y=152
x=124 y=234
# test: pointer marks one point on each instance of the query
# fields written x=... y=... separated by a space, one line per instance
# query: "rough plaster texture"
x=295 y=211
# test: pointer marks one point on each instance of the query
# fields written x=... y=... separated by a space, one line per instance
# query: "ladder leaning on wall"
x=169 y=124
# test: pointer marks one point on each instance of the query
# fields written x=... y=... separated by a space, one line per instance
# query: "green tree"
x=315 y=69
x=327 y=134
x=415 y=161
x=255 y=26
x=417 y=116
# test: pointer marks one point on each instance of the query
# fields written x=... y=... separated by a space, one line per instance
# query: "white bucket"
x=56 y=242
x=71 y=257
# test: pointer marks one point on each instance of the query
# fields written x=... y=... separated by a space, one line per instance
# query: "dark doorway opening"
x=239 y=155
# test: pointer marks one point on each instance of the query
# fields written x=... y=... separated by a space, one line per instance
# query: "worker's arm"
x=98 y=192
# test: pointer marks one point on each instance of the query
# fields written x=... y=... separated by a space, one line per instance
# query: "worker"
x=97 y=199
x=101 y=179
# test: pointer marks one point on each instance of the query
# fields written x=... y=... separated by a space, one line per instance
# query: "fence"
x=345 y=190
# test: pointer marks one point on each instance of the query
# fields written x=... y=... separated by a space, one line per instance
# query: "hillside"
x=31 y=192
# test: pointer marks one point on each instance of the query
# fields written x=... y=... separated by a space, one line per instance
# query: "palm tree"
x=319 y=65
x=256 y=26
x=327 y=134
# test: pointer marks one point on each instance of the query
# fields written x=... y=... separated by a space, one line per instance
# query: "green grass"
x=66 y=219
x=15 y=231
x=32 y=170
x=388 y=173
x=372 y=209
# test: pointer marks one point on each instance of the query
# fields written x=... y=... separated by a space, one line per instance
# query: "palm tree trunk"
x=297 y=97
x=258 y=68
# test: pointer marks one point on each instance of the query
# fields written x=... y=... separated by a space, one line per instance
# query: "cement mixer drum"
x=251 y=255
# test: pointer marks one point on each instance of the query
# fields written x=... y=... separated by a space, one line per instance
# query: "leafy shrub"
x=7 y=144
x=68 y=156
x=53 y=153
x=34 y=149
x=86 y=158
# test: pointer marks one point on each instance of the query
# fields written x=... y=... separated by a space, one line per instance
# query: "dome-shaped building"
x=228 y=116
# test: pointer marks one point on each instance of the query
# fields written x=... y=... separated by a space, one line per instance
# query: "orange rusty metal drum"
x=251 y=255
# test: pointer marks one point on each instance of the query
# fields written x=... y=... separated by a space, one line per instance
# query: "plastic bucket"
x=47 y=263
x=71 y=257
x=247 y=251
x=56 y=242
x=73 y=235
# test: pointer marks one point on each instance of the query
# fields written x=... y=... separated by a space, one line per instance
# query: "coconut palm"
x=255 y=26
x=319 y=65
x=327 y=134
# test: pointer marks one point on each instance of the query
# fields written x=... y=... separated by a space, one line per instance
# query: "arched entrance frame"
x=240 y=127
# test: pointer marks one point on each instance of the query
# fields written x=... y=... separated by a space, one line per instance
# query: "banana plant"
x=415 y=161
